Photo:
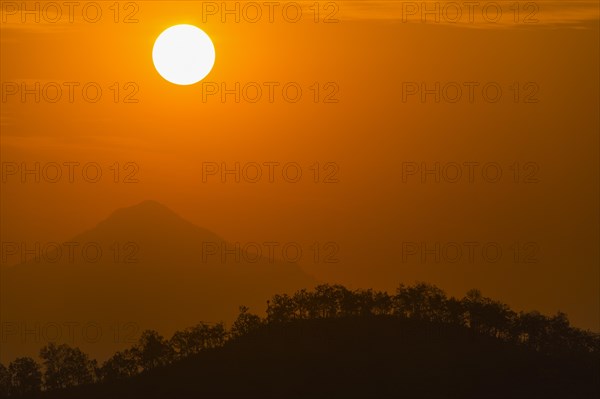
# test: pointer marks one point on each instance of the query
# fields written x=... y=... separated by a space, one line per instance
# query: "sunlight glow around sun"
x=183 y=54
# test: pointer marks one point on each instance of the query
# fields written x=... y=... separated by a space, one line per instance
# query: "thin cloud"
x=480 y=14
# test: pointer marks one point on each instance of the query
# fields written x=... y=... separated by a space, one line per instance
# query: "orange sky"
x=367 y=137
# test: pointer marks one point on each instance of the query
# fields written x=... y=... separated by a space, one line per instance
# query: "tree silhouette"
x=195 y=339
x=25 y=376
x=488 y=316
x=421 y=301
x=333 y=300
x=66 y=366
x=188 y=342
x=245 y=323
x=121 y=365
x=217 y=336
x=4 y=381
x=153 y=350
x=302 y=303
x=531 y=329
x=281 y=309
x=382 y=303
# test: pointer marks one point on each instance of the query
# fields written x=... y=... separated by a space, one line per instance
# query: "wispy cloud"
x=476 y=14
x=460 y=13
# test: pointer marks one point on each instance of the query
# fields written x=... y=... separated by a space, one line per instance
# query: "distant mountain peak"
x=150 y=207
x=146 y=215
x=150 y=203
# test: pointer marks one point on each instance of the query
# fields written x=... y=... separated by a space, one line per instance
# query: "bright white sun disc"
x=183 y=54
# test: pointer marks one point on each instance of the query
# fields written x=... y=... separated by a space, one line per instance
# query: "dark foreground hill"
x=361 y=357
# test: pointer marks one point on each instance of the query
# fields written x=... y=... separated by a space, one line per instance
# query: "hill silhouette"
x=361 y=358
x=336 y=343
x=151 y=274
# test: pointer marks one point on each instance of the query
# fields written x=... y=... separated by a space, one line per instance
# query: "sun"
x=183 y=54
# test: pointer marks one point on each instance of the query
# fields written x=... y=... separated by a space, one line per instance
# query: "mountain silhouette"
x=155 y=270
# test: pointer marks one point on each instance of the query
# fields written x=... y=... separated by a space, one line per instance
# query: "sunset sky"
x=368 y=120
